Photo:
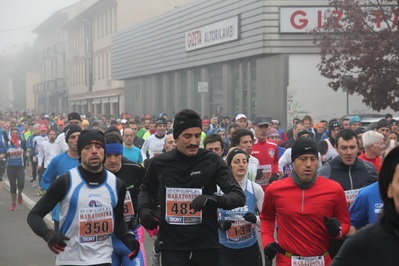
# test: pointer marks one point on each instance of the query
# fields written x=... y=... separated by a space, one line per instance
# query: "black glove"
x=274 y=177
x=201 y=200
x=333 y=226
x=131 y=243
x=148 y=218
x=56 y=241
x=271 y=250
x=250 y=217
x=225 y=224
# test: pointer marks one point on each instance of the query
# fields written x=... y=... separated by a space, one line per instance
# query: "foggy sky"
x=19 y=17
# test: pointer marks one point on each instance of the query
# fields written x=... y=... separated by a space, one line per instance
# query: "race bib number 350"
x=95 y=224
x=178 y=209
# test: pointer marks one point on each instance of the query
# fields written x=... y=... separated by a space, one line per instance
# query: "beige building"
x=89 y=57
x=51 y=92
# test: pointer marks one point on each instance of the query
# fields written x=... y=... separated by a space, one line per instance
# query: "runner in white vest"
x=92 y=200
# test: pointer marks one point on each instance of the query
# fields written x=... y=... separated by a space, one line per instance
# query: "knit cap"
x=304 y=146
x=91 y=136
x=354 y=119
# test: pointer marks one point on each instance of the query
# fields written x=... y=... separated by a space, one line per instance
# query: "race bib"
x=128 y=210
x=95 y=224
x=307 y=261
x=263 y=175
x=15 y=154
x=239 y=231
x=178 y=211
x=351 y=195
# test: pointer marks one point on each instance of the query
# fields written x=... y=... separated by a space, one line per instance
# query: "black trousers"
x=205 y=257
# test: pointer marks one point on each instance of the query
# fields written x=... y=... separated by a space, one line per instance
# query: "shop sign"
x=305 y=19
x=212 y=34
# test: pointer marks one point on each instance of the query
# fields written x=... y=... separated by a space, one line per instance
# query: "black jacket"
x=205 y=170
x=355 y=176
x=372 y=245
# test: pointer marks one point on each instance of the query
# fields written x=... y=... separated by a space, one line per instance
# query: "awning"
x=84 y=102
x=104 y=100
x=96 y=101
x=113 y=99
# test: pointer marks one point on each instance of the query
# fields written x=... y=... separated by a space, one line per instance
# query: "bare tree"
x=359 y=44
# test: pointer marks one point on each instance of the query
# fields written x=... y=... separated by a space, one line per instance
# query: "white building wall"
x=309 y=94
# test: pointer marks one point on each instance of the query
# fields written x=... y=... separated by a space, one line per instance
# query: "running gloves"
x=131 y=243
x=56 y=241
x=271 y=250
x=333 y=226
x=225 y=224
x=148 y=218
x=250 y=217
x=216 y=200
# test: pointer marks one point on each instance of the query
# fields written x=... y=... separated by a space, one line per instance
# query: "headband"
x=185 y=125
x=233 y=153
x=113 y=148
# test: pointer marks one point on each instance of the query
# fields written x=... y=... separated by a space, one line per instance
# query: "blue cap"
x=354 y=119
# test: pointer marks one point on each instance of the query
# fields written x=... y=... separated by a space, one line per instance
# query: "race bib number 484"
x=178 y=211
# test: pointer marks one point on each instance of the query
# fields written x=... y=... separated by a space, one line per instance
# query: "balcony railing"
x=50 y=85
x=60 y=83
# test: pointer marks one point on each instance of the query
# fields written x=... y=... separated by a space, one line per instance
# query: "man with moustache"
x=185 y=180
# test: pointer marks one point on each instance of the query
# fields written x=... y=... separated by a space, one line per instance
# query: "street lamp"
x=345 y=89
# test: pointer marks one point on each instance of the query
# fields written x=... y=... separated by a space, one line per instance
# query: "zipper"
x=303 y=198
x=350 y=176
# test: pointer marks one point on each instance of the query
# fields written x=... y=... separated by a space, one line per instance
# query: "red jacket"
x=267 y=154
x=300 y=212
x=376 y=161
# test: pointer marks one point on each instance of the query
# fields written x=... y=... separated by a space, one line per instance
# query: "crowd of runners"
x=219 y=191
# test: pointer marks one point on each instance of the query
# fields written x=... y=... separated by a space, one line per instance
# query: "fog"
x=19 y=17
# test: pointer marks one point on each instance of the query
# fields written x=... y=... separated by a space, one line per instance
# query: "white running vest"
x=87 y=218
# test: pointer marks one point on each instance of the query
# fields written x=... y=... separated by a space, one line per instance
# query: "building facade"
x=91 y=87
x=229 y=56
x=51 y=93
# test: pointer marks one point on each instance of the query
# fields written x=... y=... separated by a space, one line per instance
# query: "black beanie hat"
x=383 y=123
x=74 y=116
x=335 y=124
x=304 y=146
x=91 y=136
x=70 y=129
